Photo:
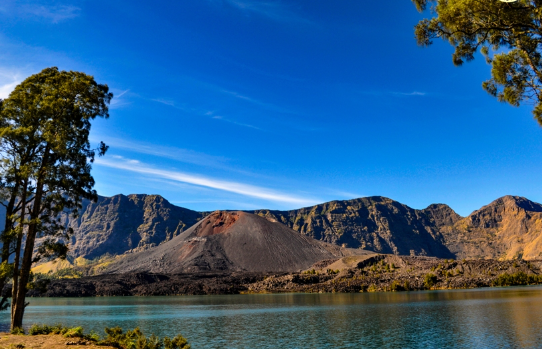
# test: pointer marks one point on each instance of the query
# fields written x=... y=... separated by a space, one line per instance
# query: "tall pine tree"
x=45 y=168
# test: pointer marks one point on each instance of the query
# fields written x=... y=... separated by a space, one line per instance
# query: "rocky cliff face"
x=120 y=224
x=509 y=227
x=375 y=223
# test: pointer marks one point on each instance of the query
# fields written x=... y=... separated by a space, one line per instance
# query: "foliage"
x=46 y=329
x=396 y=286
x=516 y=279
x=134 y=339
x=45 y=167
x=137 y=340
x=508 y=34
x=76 y=332
x=17 y=330
x=66 y=273
x=430 y=280
x=406 y=286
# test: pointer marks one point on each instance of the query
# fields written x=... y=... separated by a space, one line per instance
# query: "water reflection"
x=485 y=318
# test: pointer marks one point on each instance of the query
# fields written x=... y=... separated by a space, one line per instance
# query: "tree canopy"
x=45 y=168
x=508 y=34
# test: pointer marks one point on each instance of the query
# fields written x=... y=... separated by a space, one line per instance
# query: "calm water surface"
x=483 y=318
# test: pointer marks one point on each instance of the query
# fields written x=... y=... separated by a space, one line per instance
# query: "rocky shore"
x=350 y=274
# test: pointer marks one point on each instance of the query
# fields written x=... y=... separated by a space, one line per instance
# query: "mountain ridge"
x=507 y=228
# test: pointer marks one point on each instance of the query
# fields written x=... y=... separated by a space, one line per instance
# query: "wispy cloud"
x=118 y=101
x=53 y=13
x=219 y=117
x=196 y=179
x=413 y=93
x=395 y=93
x=275 y=10
x=164 y=101
x=39 y=10
x=257 y=102
x=8 y=80
x=179 y=154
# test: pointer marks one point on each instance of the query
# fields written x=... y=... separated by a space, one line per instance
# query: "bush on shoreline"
x=132 y=339
x=517 y=279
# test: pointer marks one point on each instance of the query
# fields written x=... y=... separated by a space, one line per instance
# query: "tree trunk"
x=18 y=307
x=6 y=241
x=16 y=263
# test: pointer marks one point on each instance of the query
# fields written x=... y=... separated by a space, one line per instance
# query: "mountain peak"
x=232 y=241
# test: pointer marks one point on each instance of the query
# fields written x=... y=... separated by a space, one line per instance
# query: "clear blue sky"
x=238 y=104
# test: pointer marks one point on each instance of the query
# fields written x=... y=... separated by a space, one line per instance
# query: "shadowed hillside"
x=120 y=223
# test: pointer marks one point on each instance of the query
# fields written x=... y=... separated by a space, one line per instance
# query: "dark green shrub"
x=396 y=286
x=406 y=286
x=136 y=340
x=76 y=332
x=178 y=342
x=39 y=329
x=430 y=280
x=18 y=331
x=516 y=279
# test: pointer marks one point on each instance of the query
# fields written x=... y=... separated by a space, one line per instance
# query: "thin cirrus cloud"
x=257 y=102
x=219 y=117
x=413 y=93
x=8 y=82
x=394 y=93
x=40 y=10
x=119 y=100
x=274 y=10
x=195 y=179
x=179 y=154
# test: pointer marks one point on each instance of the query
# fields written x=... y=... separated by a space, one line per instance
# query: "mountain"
x=509 y=227
x=232 y=241
x=375 y=223
x=120 y=224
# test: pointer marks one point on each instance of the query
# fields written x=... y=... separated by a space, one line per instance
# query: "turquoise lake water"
x=481 y=318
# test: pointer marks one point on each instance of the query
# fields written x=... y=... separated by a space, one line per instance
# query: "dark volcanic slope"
x=122 y=223
x=374 y=223
x=232 y=241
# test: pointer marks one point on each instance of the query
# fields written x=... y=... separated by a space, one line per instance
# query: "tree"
x=45 y=170
x=508 y=34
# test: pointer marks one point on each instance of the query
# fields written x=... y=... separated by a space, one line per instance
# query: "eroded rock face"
x=375 y=223
x=121 y=224
x=509 y=227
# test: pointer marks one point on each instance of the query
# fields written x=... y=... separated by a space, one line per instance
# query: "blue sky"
x=238 y=104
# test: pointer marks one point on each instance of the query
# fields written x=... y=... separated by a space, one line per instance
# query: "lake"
x=482 y=318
